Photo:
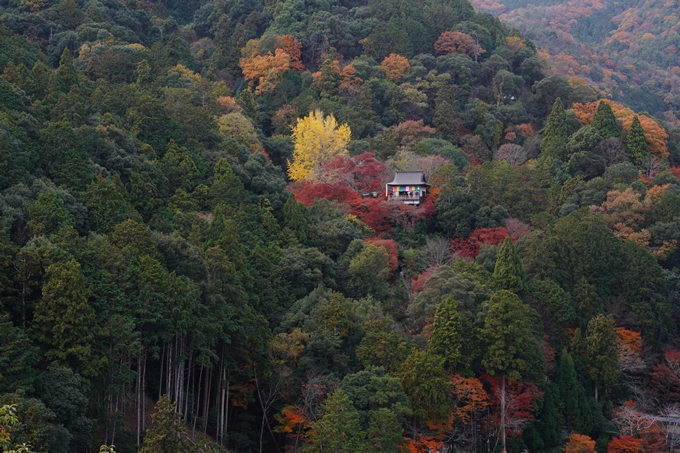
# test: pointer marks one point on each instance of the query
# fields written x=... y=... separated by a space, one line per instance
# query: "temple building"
x=409 y=187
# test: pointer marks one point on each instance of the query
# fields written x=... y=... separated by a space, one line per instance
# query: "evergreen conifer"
x=509 y=272
x=556 y=132
x=571 y=396
x=604 y=121
x=636 y=145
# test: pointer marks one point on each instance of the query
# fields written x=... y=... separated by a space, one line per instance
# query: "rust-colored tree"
x=395 y=66
x=457 y=42
x=267 y=70
x=293 y=48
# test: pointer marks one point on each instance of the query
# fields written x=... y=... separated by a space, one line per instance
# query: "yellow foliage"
x=515 y=43
x=317 y=139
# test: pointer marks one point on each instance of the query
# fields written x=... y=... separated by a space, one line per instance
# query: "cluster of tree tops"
x=153 y=250
x=629 y=49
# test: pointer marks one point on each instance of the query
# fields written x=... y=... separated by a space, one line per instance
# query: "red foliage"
x=675 y=171
x=392 y=251
x=420 y=280
x=407 y=216
x=665 y=384
x=372 y=211
x=625 y=444
x=362 y=173
x=424 y=444
x=520 y=399
x=306 y=193
x=469 y=247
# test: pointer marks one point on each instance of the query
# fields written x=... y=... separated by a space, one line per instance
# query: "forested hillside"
x=628 y=49
x=197 y=252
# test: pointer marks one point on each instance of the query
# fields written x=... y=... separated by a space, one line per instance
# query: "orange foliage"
x=579 y=443
x=227 y=104
x=469 y=397
x=267 y=70
x=625 y=444
x=424 y=444
x=293 y=48
x=349 y=82
x=655 y=136
x=526 y=129
x=457 y=42
x=395 y=66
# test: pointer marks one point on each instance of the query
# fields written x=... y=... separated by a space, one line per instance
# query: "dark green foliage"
x=296 y=219
x=636 y=145
x=513 y=351
x=338 y=429
x=556 y=132
x=571 y=397
x=108 y=204
x=62 y=156
x=382 y=346
x=65 y=323
x=456 y=209
x=143 y=252
x=644 y=286
x=373 y=390
x=385 y=433
x=62 y=393
x=508 y=272
x=602 y=352
x=18 y=358
x=605 y=123
x=544 y=434
x=425 y=383
x=446 y=337
x=558 y=301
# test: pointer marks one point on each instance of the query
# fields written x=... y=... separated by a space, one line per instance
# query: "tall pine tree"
x=571 y=397
x=604 y=121
x=64 y=321
x=636 y=145
x=446 y=339
x=556 y=132
x=509 y=272
x=513 y=351
x=602 y=352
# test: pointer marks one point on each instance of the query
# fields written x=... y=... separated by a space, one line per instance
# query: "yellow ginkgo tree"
x=317 y=139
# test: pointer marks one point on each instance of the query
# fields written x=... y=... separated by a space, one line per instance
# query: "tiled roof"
x=409 y=178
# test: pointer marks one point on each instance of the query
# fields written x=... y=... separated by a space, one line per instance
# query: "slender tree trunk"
x=198 y=400
x=596 y=395
x=206 y=400
x=503 y=413
x=160 y=383
x=138 y=395
x=144 y=392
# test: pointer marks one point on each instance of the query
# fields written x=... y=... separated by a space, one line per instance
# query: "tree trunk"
x=198 y=401
x=503 y=413
x=596 y=396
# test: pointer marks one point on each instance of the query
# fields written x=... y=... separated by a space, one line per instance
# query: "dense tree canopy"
x=197 y=252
